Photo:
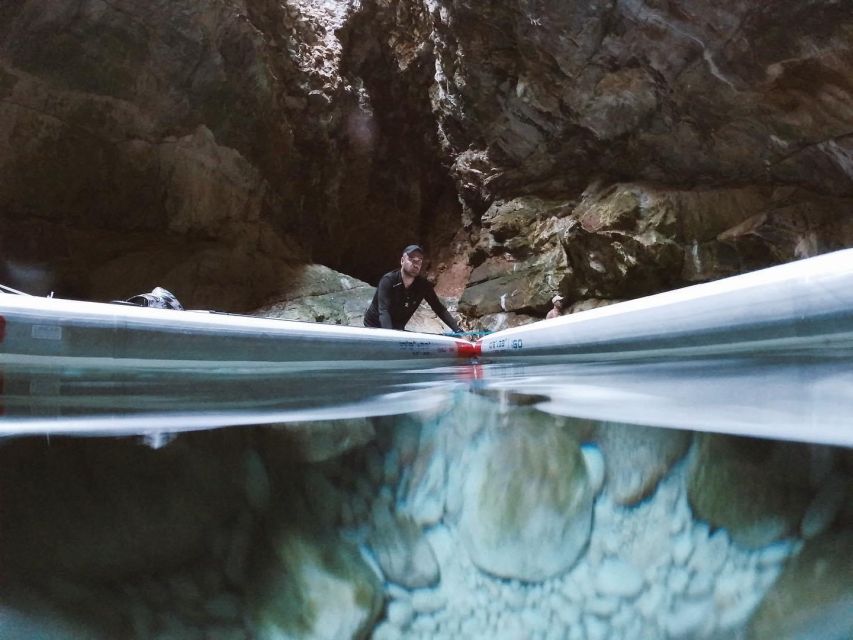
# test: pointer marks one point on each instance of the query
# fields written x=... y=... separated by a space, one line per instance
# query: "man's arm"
x=440 y=310
x=384 y=293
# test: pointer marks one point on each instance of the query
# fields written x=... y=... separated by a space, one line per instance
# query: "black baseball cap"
x=412 y=248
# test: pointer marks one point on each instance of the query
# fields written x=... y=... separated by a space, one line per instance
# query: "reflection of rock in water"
x=482 y=520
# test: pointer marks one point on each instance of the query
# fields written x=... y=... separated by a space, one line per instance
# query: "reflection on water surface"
x=538 y=499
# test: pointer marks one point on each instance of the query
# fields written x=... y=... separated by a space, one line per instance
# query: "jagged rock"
x=525 y=264
x=636 y=458
x=812 y=597
x=499 y=321
x=401 y=549
x=687 y=95
x=208 y=146
x=758 y=490
x=316 y=588
x=527 y=503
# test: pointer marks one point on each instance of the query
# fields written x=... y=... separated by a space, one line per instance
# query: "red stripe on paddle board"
x=468 y=349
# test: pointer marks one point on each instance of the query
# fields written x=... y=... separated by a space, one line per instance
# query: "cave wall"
x=603 y=150
x=204 y=146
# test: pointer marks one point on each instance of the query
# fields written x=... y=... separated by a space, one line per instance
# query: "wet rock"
x=527 y=503
x=758 y=490
x=108 y=508
x=812 y=597
x=316 y=587
x=689 y=619
x=636 y=458
x=400 y=613
x=427 y=481
x=326 y=500
x=826 y=505
x=326 y=439
x=23 y=625
x=618 y=578
x=257 y=481
x=401 y=549
x=595 y=466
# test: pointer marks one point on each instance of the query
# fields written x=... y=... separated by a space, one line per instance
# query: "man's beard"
x=411 y=271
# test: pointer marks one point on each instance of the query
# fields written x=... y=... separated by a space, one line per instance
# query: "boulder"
x=758 y=490
x=315 y=587
x=315 y=293
x=636 y=458
x=812 y=597
x=320 y=440
x=527 y=502
x=401 y=549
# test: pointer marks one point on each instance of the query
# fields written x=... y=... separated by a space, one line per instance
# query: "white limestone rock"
x=618 y=578
x=400 y=613
x=688 y=619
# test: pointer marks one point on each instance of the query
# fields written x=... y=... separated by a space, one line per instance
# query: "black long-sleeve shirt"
x=394 y=304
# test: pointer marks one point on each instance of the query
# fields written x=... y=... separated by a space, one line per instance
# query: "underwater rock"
x=401 y=549
x=527 y=501
x=316 y=587
x=812 y=598
x=41 y=624
x=758 y=490
x=257 y=482
x=427 y=480
x=618 y=578
x=636 y=458
x=827 y=504
x=108 y=508
x=320 y=440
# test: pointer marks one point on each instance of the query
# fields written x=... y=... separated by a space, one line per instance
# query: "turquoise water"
x=537 y=499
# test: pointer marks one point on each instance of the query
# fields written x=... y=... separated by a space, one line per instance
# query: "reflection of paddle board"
x=67 y=332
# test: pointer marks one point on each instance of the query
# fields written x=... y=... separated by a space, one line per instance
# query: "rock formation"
x=605 y=151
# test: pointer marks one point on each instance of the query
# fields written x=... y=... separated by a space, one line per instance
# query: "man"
x=557 y=310
x=400 y=293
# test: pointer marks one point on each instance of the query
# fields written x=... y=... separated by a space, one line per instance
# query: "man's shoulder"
x=393 y=276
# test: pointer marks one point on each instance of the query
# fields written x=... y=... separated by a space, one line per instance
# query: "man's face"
x=412 y=263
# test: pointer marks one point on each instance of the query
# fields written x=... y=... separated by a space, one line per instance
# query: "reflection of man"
x=557 y=310
x=400 y=292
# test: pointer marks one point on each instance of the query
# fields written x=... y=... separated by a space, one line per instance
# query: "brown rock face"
x=177 y=143
x=681 y=93
x=209 y=146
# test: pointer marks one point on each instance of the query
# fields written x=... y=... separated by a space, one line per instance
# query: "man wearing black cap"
x=400 y=293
